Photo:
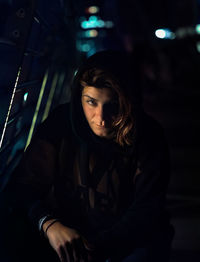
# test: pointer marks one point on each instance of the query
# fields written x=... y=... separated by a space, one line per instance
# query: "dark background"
x=43 y=42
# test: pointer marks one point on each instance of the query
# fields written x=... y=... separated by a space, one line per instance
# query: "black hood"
x=116 y=63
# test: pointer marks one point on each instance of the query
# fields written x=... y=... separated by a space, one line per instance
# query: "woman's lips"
x=100 y=126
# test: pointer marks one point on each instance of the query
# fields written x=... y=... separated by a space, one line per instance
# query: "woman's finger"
x=76 y=250
x=69 y=252
x=79 y=252
x=63 y=255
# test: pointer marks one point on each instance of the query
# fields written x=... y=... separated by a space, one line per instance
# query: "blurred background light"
x=95 y=22
x=85 y=47
x=109 y=24
x=25 y=96
x=84 y=24
x=160 y=33
x=164 y=34
x=82 y=18
x=187 y=31
x=92 y=9
x=91 y=33
x=93 y=18
x=198 y=46
x=198 y=29
x=101 y=23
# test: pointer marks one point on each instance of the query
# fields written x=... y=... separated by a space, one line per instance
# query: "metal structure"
x=32 y=79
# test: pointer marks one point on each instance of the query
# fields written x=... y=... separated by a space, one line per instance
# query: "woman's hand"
x=66 y=242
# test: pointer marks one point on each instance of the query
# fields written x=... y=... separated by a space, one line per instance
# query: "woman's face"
x=100 y=108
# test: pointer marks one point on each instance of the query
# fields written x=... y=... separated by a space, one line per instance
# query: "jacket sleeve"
x=31 y=185
x=146 y=214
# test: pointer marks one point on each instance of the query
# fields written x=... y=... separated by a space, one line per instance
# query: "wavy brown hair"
x=123 y=125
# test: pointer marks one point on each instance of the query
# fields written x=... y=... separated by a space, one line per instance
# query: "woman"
x=94 y=177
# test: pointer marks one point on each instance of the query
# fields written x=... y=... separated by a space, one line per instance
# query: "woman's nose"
x=100 y=116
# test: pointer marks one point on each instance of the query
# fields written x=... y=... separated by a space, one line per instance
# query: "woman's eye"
x=91 y=102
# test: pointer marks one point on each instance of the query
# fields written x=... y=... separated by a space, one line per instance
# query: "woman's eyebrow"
x=91 y=97
x=96 y=100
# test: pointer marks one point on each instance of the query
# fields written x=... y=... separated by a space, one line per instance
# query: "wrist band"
x=54 y=221
x=42 y=221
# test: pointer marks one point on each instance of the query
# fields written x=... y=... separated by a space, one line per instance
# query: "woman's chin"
x=103 y=132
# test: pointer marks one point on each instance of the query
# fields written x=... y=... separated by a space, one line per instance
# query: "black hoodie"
x=121 y=205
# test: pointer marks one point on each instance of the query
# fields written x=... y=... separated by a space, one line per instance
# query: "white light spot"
x=160 y=33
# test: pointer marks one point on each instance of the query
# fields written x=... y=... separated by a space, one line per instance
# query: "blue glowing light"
x=25 y=96
x=95 y=22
